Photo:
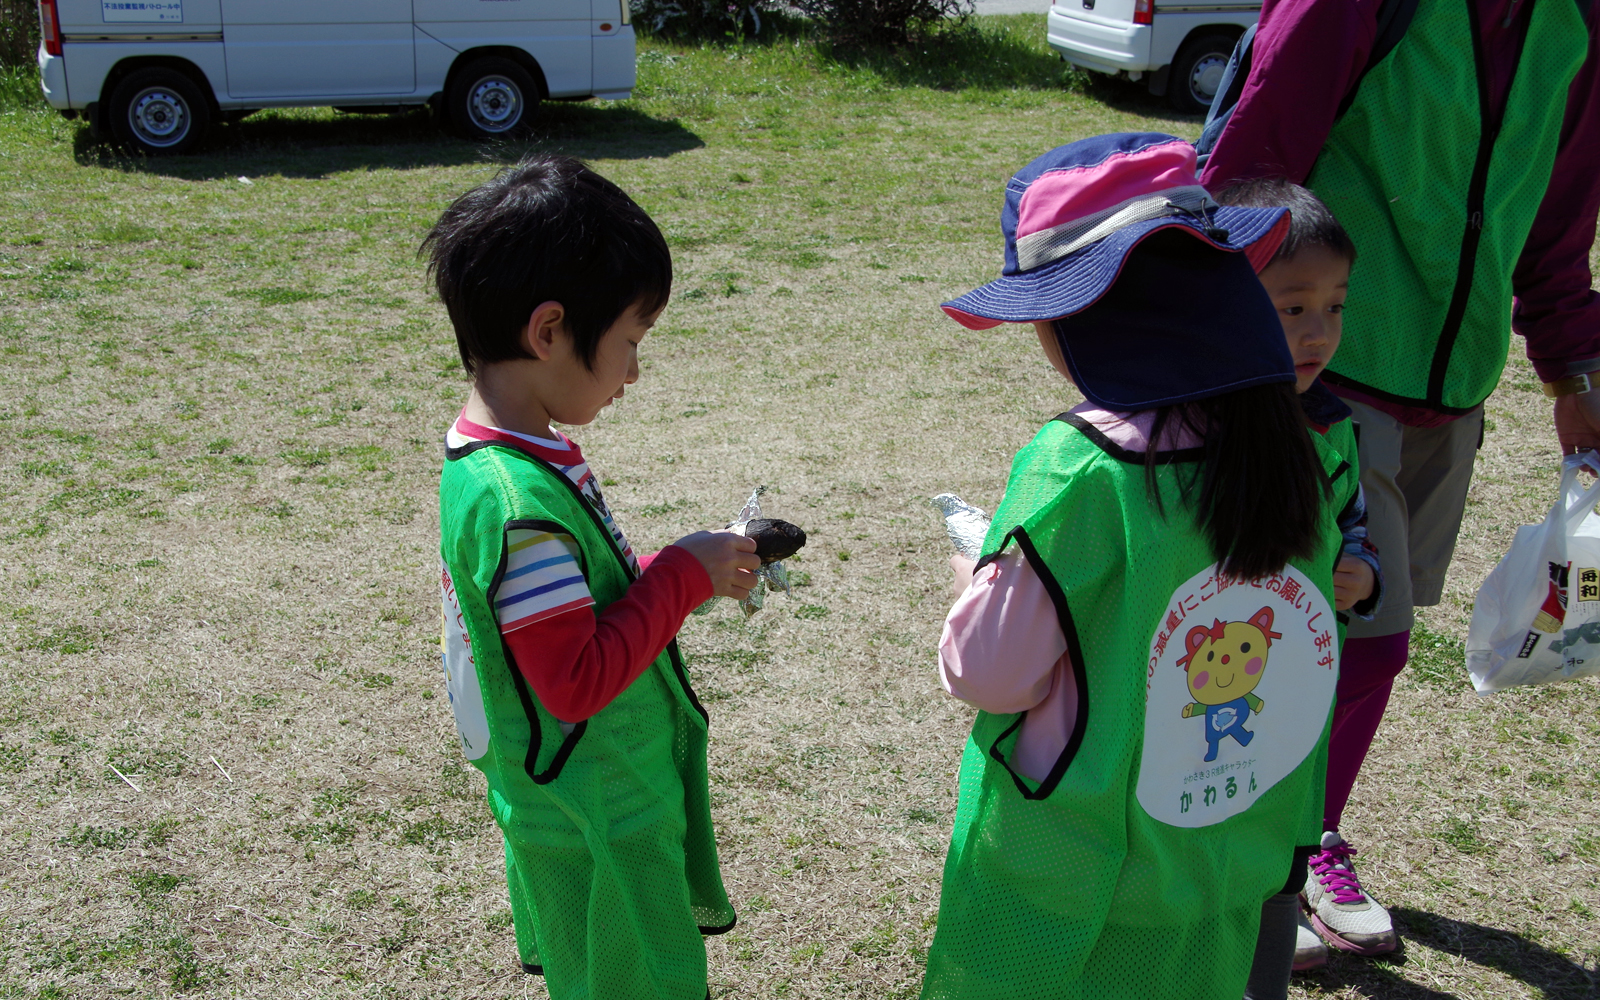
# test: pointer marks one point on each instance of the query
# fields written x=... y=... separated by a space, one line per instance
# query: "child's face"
x=578 y=393
x=1308 y=290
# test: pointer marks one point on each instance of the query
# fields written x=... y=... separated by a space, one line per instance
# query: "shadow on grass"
x=1135 y=99
x=966 y=55
x=1553 y=975
x=1000 y=53
x=980 y=53
x=295 y=145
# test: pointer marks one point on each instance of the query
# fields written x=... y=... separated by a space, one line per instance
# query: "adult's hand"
x=1578 y=422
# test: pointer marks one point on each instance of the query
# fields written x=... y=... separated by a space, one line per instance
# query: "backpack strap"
x=1394 y=17
x=1229 y=87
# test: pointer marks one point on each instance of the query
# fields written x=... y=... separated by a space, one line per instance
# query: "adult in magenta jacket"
x=1466 y=166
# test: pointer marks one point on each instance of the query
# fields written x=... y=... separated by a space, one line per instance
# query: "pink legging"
x=1367 y=669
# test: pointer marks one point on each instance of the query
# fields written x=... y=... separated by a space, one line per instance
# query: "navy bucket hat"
x=1188 y=317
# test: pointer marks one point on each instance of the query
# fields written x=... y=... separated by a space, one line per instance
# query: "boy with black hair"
x=1308 y=279
x=564 y=675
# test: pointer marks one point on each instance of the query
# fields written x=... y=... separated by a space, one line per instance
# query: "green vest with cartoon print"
x=1137 y=867
x=610 y=855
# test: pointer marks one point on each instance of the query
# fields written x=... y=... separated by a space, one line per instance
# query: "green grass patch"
x=1437 y=660
x=274 y=296
x=1462 y=835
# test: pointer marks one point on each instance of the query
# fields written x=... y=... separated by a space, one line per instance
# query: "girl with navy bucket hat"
x=1150 y=633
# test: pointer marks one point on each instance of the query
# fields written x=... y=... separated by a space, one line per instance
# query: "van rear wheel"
x=158 y=112
x=1196 y=72
x=490 y=98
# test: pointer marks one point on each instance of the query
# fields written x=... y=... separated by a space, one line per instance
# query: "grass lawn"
x=224 y=390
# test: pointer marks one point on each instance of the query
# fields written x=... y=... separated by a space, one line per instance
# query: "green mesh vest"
x=1440 y=213
x=1137 y=867
x=610 y=856
x=1341 y=440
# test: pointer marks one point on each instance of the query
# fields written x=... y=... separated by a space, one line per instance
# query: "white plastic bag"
x=1537 y=618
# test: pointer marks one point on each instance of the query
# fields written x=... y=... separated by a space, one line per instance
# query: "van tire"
x=158 y=112
x=1198 y=66
x=491 y=98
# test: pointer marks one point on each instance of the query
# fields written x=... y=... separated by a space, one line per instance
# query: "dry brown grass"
x=223 y=407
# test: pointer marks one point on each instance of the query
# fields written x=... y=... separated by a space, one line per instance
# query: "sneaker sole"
x=1306 y=965
x=1385 y=945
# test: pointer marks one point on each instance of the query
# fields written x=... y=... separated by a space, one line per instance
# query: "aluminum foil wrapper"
x=966 y=525
x=771 y=576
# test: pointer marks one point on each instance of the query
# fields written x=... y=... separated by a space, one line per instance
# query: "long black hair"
x=1258 y=492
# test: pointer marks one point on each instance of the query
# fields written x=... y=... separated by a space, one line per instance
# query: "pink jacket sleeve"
x=1003 y=651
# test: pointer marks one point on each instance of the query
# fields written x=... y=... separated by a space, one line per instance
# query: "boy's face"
x=577 y=393
x=1308 y=290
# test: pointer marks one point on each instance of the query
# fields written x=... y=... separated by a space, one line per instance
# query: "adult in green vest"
x=1150 y=632
x=1463 y=162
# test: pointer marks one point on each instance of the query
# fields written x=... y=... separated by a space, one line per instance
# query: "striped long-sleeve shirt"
x=577 y=661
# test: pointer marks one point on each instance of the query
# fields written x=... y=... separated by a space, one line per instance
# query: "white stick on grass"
x=124 y=777
x=269 y=923
x=220 y=768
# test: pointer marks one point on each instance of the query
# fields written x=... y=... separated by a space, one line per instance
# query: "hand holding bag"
x=1537 y=616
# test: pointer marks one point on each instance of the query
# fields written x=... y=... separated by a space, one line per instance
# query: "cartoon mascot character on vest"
x=1224 y=663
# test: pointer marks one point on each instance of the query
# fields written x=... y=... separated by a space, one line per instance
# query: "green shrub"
x=705 y=18
x=19 y=34
x=882 y=22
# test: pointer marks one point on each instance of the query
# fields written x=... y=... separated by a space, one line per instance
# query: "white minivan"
x=1181 y=47
x=155 y=73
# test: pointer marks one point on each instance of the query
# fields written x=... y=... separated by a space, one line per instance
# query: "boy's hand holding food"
x=729 y=558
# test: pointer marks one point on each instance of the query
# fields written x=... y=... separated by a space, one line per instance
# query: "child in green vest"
x=559 y=653
x=1150 y=634
x=1308 y=279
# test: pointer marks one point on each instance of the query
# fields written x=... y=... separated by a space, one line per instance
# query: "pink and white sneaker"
x=1340 y=910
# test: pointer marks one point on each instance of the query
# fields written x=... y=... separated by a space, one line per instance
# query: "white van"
x=1182 y=47
x=155 y=73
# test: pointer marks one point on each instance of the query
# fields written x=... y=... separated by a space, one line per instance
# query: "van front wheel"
x=158 y=112
x=490 y=98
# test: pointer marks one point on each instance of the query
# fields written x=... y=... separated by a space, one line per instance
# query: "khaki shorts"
x=1415 y=480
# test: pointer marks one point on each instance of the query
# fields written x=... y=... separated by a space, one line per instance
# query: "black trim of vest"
x=1488 y=134
x=725 y=928
x=1390 y=397
x=1080 y=675
x=456 y=454
x=533 y=970
x=673 y=655
x=530 y=764
x=1121 y=454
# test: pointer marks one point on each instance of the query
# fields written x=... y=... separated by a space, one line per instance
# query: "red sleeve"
x=577 y=662
x=1306 y=56
x=1558 y=310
